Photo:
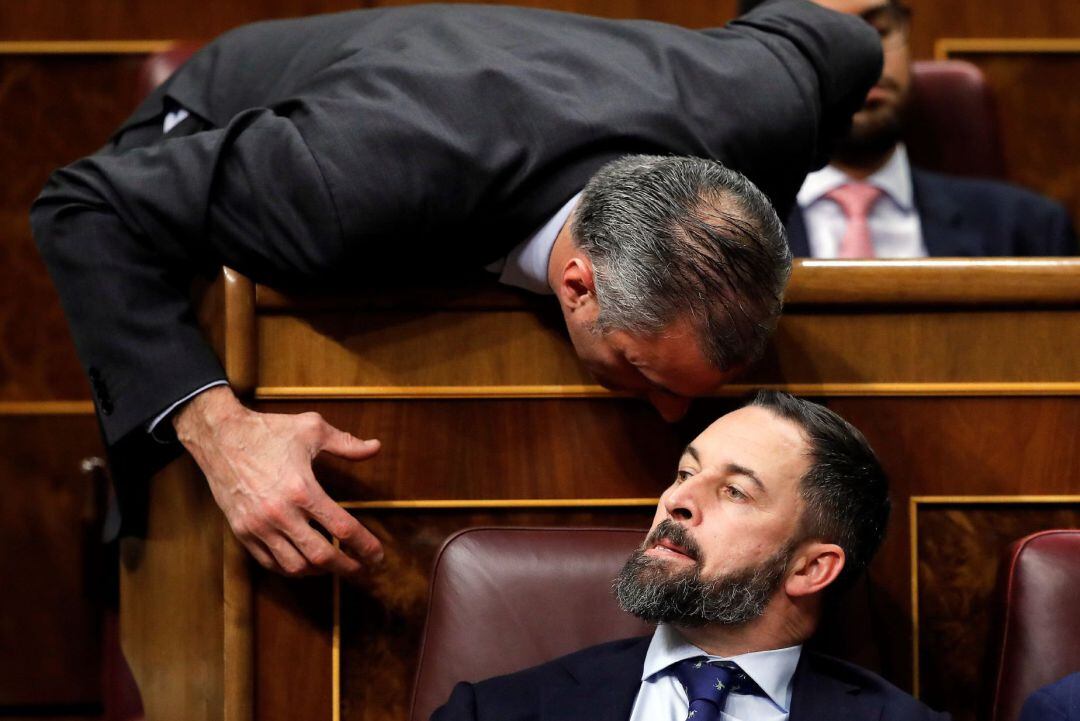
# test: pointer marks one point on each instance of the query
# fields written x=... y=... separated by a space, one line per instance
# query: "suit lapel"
x=943 y=229
x=600 y=691
x=818 y=696
x=796 y=229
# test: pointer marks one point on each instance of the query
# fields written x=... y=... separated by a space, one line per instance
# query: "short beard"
x=867 y=143
x=649 y=589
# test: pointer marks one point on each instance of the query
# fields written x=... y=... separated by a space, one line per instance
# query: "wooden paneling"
x=498 y=449
x=52 y=560
x=989 y=19
x=105 y=19
x=959 y=545
x=1038 y=100
x=54 y=109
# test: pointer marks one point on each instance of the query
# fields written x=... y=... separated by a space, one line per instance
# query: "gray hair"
x=681 y=237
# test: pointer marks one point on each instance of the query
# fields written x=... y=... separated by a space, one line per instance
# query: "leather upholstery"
x=505 y=599
x=1039 y=622
x=952 y=126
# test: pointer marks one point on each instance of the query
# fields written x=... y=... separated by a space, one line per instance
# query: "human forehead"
x=752 y=437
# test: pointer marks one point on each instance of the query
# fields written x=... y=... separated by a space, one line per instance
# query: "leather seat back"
x=505 y=599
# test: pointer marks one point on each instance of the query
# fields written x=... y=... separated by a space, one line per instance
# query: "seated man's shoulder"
x=897 y=705
x=1060 y=701
x=520 y=695
x=998 y=194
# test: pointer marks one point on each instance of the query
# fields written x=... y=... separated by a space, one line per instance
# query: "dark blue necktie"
x=708 y=685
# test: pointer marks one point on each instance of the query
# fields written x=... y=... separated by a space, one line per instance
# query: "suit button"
x=95 y=374
x=106 y=406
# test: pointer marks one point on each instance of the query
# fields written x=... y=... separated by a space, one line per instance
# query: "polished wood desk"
x=964 y=375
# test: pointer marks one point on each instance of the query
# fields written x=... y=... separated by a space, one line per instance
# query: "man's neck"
x=765 y=633
x=861 y=167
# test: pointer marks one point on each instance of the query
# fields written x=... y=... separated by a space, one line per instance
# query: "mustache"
x=668 y=530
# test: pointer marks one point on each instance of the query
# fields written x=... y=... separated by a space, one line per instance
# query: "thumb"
x=346 y=445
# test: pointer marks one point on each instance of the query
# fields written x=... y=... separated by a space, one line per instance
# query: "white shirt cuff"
x=165 y=413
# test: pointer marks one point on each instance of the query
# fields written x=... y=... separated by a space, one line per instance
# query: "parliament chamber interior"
x=512 y=481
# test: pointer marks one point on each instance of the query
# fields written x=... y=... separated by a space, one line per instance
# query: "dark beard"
x=871 y=142
x=649 y=589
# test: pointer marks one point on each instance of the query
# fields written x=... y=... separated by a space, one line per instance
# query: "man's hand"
x=258 y=466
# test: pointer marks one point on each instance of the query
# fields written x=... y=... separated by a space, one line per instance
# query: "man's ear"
x=814 y=566
x=576 y=285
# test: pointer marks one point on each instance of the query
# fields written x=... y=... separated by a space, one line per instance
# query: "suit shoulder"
x=984 y=191
x=1060 y=701
x=898 y=705
x=517 y=695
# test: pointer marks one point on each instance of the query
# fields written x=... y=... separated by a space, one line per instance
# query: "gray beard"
x=650 y=590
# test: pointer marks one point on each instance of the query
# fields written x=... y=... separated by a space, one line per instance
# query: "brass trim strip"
x=46 y=408
x=84 y=47
x=913 y=524
x=944 y=47
x=335 y=651
x=282 y=393
x=442 y=504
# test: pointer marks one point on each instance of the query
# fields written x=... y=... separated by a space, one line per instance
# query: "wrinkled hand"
x=258 y=466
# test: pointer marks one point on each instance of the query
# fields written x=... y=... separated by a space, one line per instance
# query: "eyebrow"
x=729 y=468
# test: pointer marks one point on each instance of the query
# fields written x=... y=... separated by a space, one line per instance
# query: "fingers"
x=321 y=554
x=356 y=540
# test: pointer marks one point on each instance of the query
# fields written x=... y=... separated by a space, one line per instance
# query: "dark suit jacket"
x=601 y=683
x=971 y=217
x=1060 y=701
x=413 y=138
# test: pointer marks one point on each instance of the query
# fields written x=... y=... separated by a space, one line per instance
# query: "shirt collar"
x=771 y=670
x=894 y=178
x=526 y=266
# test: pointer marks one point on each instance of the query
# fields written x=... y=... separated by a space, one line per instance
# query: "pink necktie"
x=855 y=200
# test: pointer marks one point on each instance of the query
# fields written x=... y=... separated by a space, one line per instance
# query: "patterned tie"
x=855 y=200
x=707 y=685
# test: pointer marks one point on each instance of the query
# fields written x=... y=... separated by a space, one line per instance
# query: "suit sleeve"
x=460 y=707
x=125 y=234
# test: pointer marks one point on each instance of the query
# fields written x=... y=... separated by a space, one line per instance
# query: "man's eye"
x=683 y=475
x=736 y=493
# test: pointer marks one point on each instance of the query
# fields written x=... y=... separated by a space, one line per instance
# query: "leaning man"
x=773 y=508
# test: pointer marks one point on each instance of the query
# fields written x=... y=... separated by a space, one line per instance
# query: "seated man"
x=871 y=202
x=773 y=507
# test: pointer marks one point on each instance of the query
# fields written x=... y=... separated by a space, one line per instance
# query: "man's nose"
x=670 y=407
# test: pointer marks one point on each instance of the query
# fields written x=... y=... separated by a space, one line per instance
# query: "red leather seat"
x=505 y=599
x=1039 y=618
x=952 y=126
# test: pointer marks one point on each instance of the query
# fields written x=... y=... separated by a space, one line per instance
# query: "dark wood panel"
x=293 y=631
x=959 y=549
x=471 y=449
x=100 y=19
x=53 y=562
x=55 y=109
x=932 y=19
x=1039 y=107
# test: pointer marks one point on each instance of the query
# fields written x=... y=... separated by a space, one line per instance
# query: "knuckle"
x=294 y=568
x=311 y=421
x=273 y=513
x=322 y=557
